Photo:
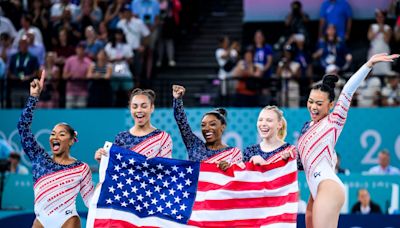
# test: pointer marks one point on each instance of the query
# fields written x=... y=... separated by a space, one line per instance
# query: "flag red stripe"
x=283 y=218
x=208 y=167
x=113 y=223
x=244 y=185
x=226 y=204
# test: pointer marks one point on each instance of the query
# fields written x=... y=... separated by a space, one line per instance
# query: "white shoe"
x=158 y=64
x=172 y=63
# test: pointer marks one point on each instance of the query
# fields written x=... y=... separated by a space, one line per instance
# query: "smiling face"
x=141 y=109
x=268 y=124
x=318 y=104
x=60 y=140
x=212 y=128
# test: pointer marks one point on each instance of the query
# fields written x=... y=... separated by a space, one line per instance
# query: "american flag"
x=160 y=192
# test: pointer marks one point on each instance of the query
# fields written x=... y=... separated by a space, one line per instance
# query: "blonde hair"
x=283 y=131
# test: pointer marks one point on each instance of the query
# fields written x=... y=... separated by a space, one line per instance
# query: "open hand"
x=382 y=57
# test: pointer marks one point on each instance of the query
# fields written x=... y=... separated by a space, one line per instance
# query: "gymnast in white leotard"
x=58 y=179
x=317 y=142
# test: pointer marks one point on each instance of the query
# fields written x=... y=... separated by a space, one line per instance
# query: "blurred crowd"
x=282 y=73
x=82 y=44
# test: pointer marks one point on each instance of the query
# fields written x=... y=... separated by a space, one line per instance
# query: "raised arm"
x=28 y=141
x=189 y=138
x=342 y=106
x=355 y=80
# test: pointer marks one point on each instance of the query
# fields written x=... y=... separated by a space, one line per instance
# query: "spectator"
x=338 y=168
x=365 y=205
x=303 y=57
x=120 y=55
x=15 y=165
x=148 y=11
x=73 y=29
x=41 y=20
x=75 y=71
x=103 y=32
x=262 y=54
x=6 y=48
x=22 y=69
x=89 y=14
x=135 y=33
x=338 y=13
x=49 y=98
x=5 y=149
x=332 y=51
x=58 y=12
x=296 y=21
x=384 y=166
x=7 y=27
x=169 y=20
x=226 y=59
x=12 y=10
x=92 y=44
x=391 y=92
x=369 y=92
x=99 y=75
x=111 y=17
x=36 y=50
x=26 y=23
x=247 y=73
x=289 y=72
x=64 y=48
x=379 y=35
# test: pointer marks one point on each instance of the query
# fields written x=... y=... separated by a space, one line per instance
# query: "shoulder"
x=252 y=148
x=122 y=134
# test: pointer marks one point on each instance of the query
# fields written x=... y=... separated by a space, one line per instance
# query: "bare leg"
x=309 y=211
x=327 y=205
x=37 y=224
x=73 y=222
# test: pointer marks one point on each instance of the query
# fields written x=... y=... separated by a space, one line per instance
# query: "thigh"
x=73 y=222
x=327 y=204
x=37 y=224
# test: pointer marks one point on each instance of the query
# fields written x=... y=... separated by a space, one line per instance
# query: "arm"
x=86 y=185
x=28 y=141
x=181 y=119
x=90 y=74
x=342 y=106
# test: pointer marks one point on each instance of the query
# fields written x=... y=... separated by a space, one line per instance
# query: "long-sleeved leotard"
x=317 y=142
x=197 y=149
x=270 y=156
x=56 y=186
x=155 y=144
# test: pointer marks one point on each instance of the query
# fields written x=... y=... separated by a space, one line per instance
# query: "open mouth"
x=264 y=130
x=139 y=116
x=56 y=146
x=208 y=135
x=314 y=113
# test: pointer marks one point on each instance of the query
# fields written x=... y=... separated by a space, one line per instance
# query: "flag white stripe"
x=280 y=225
x=243 y=214
x=134 y=219
x=229 y=194
x=248 y=176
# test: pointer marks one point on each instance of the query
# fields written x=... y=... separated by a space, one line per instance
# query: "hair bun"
x=222 y=111
x=330 y=80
